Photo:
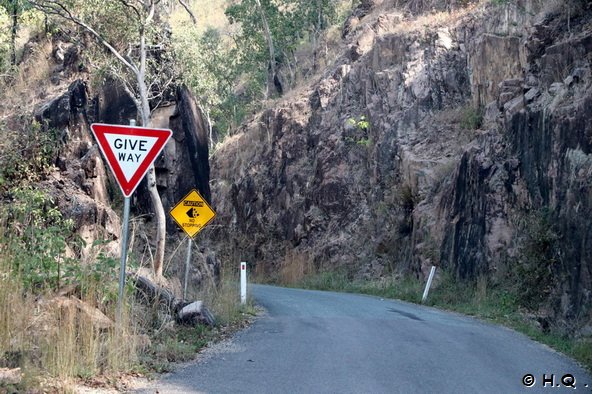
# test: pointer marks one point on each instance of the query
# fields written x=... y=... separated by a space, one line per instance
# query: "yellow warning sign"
x=192 y=213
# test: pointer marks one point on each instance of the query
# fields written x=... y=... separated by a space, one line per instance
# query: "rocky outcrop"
x=190 y=119
x=427 y=142
x=82 y=186
x=184 y=164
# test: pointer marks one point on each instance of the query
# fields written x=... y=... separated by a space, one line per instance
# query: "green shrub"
x=533 y=273
x=26 y=155
x=36 y=240
x=471 y=118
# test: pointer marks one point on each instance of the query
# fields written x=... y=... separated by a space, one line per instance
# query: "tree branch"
x=150 y=14
x=133 y=7
x=53 y=7
x=193 y=18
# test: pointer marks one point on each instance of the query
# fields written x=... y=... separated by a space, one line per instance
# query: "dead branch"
x=193 y=18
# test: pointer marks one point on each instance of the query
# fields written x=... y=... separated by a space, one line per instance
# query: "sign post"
x=129 y=151
x=192 y=214
x=187 y=261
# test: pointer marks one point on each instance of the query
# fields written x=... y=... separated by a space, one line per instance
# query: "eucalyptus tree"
x=133 y=32
x=272 y=30
x=207 y=66
x=14 y=9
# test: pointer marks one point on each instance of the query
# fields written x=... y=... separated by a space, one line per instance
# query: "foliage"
x=471 y=118
x=14 y=9
x=37 y=240
x=539 y=255
x=360 y=123
x=228 y=66
x=360 y=126
x=35 y=262
x=208 y=66
x=27 y=155
x=4 y=42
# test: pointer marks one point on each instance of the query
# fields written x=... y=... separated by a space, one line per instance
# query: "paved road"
x=323 y=342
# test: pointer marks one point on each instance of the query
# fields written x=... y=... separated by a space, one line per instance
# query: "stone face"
x=303 y=183
x=493 y=60
x=10 y=376
x=184 y=163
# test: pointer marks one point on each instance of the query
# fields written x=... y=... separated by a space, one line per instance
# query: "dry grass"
x=54 y=341
x=30 y=82
x=12 y=321
x=295 y=267
x=223 y=298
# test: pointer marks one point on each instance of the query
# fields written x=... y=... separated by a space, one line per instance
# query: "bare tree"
x=139 y=88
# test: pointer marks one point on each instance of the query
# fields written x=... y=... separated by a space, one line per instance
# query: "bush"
x=471 y=118
x=27 y=155
x=539 y=254
x=36 y=240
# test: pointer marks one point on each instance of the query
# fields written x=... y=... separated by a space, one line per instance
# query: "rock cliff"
x=442 y=136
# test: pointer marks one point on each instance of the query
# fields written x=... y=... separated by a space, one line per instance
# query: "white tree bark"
x=159 y=213
x=271 y=72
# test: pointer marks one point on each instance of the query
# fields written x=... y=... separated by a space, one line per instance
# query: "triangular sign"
x=130 y=150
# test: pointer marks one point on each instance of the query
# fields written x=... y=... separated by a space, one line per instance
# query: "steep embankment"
x=458 y=139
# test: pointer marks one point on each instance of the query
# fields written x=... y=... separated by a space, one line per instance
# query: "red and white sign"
x=130 y=150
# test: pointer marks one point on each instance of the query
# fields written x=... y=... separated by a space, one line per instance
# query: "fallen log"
x=151 y=293
x=184 y=312
x=195 y=313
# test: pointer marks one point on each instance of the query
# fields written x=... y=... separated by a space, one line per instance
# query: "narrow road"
x=324 y=342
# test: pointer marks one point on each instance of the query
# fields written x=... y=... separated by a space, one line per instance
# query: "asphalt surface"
x=324 y=342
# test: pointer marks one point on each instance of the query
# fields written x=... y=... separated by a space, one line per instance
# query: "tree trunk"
x=159 y=213
x=184 y=312
x=14 y=31
x=160 y=222
x=271 y=72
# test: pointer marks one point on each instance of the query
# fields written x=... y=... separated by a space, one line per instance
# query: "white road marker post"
x=243 y=282
x=429 y=284
x=187 y=261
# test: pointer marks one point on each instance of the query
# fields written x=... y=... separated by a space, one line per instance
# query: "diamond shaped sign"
x=192 y=213
x=129 y=151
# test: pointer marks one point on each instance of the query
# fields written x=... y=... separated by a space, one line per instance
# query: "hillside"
x=458 y=138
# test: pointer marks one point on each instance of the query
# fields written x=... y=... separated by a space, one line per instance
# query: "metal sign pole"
x=189 y=244
x=124 y=233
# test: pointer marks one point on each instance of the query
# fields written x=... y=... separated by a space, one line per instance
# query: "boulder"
x=195 y=313
x=10 y=376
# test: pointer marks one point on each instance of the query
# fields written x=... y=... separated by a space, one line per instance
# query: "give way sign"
x=130 y=150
